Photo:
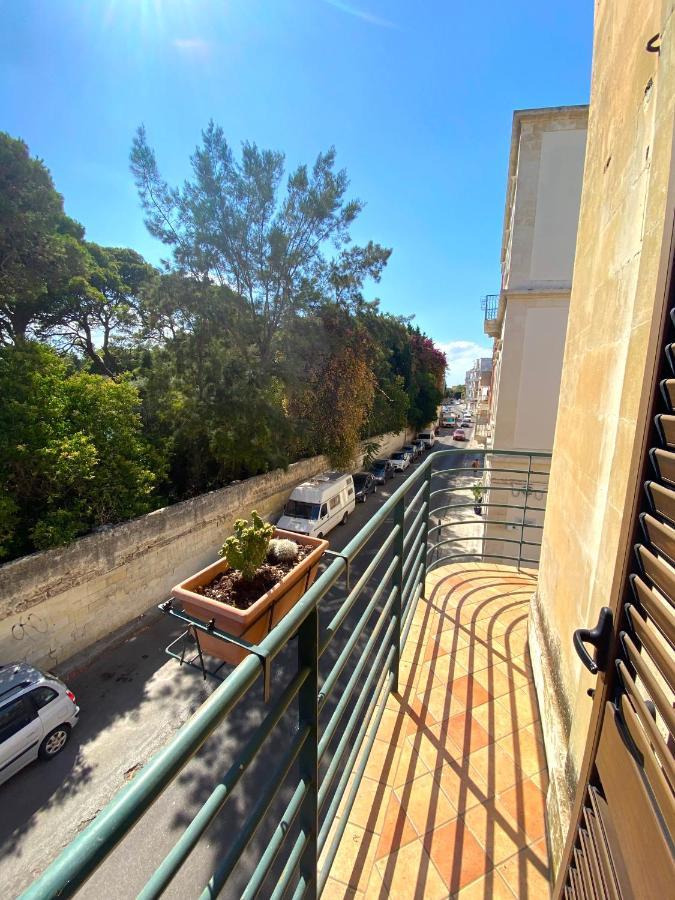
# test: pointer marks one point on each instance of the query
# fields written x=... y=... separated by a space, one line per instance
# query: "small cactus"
x=282 y=550
x=247 y=548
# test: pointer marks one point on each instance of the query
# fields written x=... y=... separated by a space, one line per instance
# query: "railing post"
x=308 y=758
x=425 y=540
x=397 y=605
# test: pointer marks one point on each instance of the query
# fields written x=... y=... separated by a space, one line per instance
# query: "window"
x=42 y=696
x=15 y=716
x=324 y=511
x=334 y=502
x=298 y=509
x=350 y=492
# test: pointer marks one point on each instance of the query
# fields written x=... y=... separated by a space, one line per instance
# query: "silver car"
x=37 y=715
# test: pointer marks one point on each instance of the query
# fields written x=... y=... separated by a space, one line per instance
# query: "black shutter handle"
x=600 y=637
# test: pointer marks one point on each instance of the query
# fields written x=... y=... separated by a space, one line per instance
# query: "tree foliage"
x=124 y=386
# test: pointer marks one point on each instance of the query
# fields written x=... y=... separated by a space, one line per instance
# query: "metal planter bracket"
x=346 y=559
x=195 y=625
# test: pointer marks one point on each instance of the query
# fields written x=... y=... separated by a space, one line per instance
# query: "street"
x=133 y=699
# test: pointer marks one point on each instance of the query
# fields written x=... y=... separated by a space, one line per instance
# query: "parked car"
x=364 y=484
x=429 y=438
x=382 y=470
x=465 y=423
x=315 y=507
x=37 y=714
x=458 y=435
x=412 y=449
x=400 y=461
x=421 y=446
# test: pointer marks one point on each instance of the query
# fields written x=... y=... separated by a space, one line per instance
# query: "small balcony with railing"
x=382 y=741
x=490 y=305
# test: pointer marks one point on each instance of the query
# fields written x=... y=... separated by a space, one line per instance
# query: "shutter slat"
x=651 y=641
x=658 y=572
x=662 y=499
x=664 y=464
x=666 y=429
x=658 y=607
x=659 y=535
x=657 y=780
x=591 y=858
x=649 y=725
x=602 y=856
x=662 y=703
x=607 y=839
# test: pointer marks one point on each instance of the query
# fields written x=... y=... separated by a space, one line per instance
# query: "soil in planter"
x=230 y=587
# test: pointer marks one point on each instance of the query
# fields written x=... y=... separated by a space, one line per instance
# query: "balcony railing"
x=349 y=630
x=489 y=304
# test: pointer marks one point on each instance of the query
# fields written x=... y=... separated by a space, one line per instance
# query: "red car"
x=458 y=435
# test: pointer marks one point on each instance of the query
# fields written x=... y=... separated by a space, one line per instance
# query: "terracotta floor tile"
x=517 y=668
x=496 y=830
x=526 y=876
x=395 y=727
x=515 y=641
x=409 y=874
x=462 y=785
x=443 y=668
x=523 y=747
x=439 y=703
x=430 y=750
x=375 y=889
x=495 y=681
x=397 y=829
x=410 y=764
x=450 y=640
x=474 y=659
x=522 y=706
x=382 y=762
x=425 y=803
x=497 y=769
x=497 y=718
x=527 y=804
x=490 y=887
x=370 y=805
x=457 y=855
x=355 y=857
x=464 y=731
x=335 y=890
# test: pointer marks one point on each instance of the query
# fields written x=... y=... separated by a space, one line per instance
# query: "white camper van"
x=317 y=506
x=428 y=437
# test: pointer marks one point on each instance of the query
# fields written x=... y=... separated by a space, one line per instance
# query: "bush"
x=72 y=455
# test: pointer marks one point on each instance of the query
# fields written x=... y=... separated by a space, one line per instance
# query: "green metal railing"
x=338 y=710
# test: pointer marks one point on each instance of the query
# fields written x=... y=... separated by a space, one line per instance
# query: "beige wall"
x=542 y=203
x=616 y=306
x=527 y=383
x=58 y=603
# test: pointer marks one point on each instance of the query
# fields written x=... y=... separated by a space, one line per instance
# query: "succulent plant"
x=246 y=550
x=282 y=550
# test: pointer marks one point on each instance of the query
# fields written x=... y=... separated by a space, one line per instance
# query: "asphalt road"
x=133 y=699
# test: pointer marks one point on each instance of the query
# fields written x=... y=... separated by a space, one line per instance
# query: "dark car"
x=364 y=484
x=421 y=446
x=382 y=470
x=412 y=450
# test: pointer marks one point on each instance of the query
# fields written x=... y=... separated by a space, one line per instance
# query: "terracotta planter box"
x=254 y=623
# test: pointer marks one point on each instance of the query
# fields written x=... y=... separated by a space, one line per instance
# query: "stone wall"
x=58 y=603
x=616 y=307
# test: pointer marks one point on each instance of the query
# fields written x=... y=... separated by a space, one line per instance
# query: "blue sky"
x=417 y=97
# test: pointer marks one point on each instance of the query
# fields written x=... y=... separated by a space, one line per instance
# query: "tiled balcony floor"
x=452 y=800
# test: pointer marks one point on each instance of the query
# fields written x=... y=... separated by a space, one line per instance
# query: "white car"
x=37 y=715
x=400 y=461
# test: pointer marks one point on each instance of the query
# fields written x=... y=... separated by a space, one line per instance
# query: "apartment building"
x=477 y=381
x=528 y=318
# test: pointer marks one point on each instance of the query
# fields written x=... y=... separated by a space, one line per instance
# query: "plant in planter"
x=261 y=575
x=477 y=491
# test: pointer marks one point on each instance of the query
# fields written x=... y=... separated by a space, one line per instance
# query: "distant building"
x=477 y=383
